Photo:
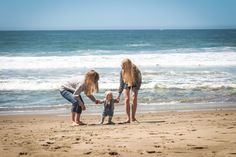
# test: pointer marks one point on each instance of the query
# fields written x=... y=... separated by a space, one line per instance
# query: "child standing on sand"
x=108 y=110
x=72 y=89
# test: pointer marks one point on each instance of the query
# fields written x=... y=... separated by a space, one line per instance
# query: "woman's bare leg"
x=73 y=116
x=127 y=104
x=134 y=105
x=77 y=117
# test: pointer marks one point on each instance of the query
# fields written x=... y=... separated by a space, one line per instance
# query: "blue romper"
x=108 y=108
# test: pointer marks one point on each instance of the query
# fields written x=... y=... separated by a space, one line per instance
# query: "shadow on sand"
x=123 y=123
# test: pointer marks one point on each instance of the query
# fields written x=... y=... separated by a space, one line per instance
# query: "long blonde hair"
x=128 y=72
x=91 y=82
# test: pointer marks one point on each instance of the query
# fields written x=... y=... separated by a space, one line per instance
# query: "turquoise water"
x=179 y=67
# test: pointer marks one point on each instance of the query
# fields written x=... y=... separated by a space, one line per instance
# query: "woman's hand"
x=83 y=107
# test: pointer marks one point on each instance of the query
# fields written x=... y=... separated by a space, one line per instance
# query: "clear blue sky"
x=116 y=14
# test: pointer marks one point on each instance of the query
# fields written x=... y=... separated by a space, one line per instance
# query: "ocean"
x=181 y=69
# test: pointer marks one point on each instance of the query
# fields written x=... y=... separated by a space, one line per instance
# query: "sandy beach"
x=194 y=133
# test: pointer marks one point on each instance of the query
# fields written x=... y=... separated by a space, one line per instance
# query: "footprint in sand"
x=87 y=153
x=23 y=153
x=48 y=142
x=191 y=145
x=157 y=146
x=45 y=145
x=199 y=147
x=151 y=151
x=152 y=133
x=113 y=153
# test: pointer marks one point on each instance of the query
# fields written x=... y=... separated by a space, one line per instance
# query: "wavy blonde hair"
x=128 y=72
x=91 y=82
x=107 y=93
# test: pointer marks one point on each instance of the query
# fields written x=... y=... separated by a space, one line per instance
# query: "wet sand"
x=178 y=134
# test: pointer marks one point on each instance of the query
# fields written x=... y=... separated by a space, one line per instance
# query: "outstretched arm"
x=116 y=100
x=92 y=98
x=122 y=84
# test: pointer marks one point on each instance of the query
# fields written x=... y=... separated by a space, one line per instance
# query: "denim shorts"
x=134 y=87
x=68 y=95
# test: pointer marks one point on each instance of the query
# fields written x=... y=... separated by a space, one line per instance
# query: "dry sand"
x=176 y=134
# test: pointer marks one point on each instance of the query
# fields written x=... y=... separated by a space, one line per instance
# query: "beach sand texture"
x=178 y=134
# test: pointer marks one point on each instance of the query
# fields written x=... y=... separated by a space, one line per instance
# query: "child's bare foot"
x=111 y=123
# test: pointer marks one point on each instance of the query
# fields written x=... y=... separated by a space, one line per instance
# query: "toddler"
x=108 y=107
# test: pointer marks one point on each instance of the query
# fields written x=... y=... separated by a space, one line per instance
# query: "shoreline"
x=119 y=109
x=193 y=133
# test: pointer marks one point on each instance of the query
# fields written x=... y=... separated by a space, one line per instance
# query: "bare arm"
x=122 y=84
x=91 y=97
x=116 y=101
x=77 y=92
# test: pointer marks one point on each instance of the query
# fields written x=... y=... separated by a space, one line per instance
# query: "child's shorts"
x=107 y=113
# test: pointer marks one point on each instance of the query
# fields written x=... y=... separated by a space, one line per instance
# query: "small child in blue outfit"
x=108 y=110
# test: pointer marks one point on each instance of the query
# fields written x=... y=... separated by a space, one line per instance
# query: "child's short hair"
x=107 y=93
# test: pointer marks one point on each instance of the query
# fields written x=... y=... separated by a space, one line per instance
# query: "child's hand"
x=98 y=101
x=117 y=100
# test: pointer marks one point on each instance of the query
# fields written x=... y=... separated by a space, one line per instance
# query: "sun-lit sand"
x=178 y=134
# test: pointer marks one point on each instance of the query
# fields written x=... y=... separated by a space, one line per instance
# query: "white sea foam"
x=14 y=84
x=200 y=59
x=49 y=84
x=138 y=45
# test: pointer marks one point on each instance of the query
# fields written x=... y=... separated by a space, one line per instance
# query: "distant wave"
x=205 y=86
x=89 y=52
x=138 y=45
x=204 y=59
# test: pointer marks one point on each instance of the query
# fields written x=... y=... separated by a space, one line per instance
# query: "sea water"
x=181 y=69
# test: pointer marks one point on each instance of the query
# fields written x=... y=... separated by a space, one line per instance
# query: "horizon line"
x=118 y=29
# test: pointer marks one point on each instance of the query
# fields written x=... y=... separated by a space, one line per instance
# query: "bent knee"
x=127 y=99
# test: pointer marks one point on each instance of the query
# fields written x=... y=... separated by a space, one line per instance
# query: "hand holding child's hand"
x=98 y=101
x=118 y=99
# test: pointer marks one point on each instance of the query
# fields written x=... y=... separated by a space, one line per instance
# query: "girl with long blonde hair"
x=72 y=89
x=130 y=80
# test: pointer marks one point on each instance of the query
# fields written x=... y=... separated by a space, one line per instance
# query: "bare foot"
x=80 y=123
x=135 y=121
x=111 y=123
x=74 y=124
x=127 y=121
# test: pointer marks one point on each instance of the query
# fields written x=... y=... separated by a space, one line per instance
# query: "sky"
x=116 y=14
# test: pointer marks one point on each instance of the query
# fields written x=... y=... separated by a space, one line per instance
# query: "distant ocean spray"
x=179 y=67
